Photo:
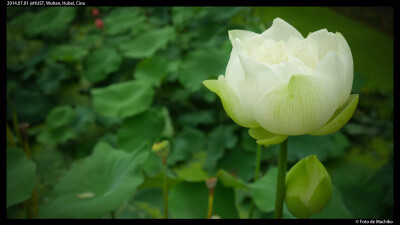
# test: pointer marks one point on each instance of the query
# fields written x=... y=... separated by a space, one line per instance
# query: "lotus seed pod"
x=211 y=182
x=308 y=187
x=161 y=148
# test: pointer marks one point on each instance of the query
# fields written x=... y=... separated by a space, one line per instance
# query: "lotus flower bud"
x=279 y=83
x=161 y=148
x=308 y=187
x=99 y=23
x=95 y=12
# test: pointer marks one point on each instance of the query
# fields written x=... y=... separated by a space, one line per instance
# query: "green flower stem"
x=15 y=123
x=280 y=185
x=10 y=137
x=24 y=145
x=165 y=189
x=210 y=202
x=112 y=215
x=256 y=174
x=27 y=206
x=35 y=203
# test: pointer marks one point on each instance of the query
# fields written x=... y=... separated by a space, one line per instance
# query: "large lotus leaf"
x=50 y=21
x=98 y=185
x=234 y=160
x=186 y=143
x=20 y=176
x=336 y=209
x=100 y=63
x=229 y=180
x=60 y=116
x=201 y=64
x=158 y=181
x=219 y=139
x=31 y=106
x=143 y=128
x=83 y=117
x=147 y=203
x=190 y=200
x=264 y=192
x=325 y=147
x=192 y=170
x=88 y=41
x=68 y=53
x=148 y=43
x=20 y=21
x=56 y=135
x=197 y=117
x=123 y=99
x=229 y=12
x=184 y=15
x=152 y=70
x=153 y=165
x=122 y=20
x=361 y=192
x=49 y=81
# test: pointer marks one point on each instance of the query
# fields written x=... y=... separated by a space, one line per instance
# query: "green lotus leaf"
x=229 y=180
x=97 y=185
x=189 y=201
x=123 y=99
x=20 y=176
x=100 y=63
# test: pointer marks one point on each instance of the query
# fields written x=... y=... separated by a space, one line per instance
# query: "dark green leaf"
x=101 y=63
x=152 y=70
x=184 y=204
x=123 y=99
x=122 y=20
x=336 y=209
x=142 y=128
x=185 y=144
x=325 y=147
x=234 y=160
x=60 y=116
x=50 y=21
x=148 y=43
x=193 y=70
x=31 y=106
x=98 y=185
x=20 y=176
x=219 y=139
x=193 y=170
x=68 y=53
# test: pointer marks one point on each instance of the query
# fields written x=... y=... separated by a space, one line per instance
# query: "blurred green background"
x=98 y=94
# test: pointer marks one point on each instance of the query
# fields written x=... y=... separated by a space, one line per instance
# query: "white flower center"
x=271 y=52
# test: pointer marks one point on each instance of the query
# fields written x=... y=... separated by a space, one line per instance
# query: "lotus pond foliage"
x=91 y=91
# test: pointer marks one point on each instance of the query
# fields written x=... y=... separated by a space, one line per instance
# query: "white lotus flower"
x=279 y=83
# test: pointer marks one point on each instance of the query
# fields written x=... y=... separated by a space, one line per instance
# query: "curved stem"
x=280 y=185
x=15 y=122
x=256 y=174
x=165 y=190
x=10 y=137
